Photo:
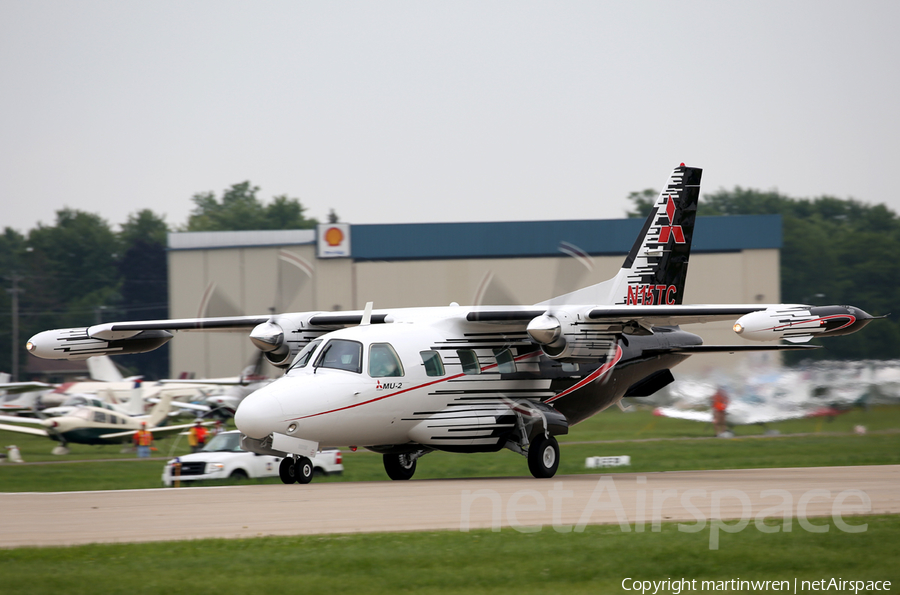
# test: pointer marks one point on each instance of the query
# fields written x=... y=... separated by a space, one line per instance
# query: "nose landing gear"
x=299 y=470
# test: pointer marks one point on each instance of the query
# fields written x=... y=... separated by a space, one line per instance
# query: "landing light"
x=29 y=346
x=292 y=428
x=738 y=328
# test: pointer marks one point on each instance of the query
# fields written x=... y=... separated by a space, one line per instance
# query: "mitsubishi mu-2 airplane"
x=406 y=382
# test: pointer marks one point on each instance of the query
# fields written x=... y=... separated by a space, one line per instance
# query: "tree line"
x=81 y=271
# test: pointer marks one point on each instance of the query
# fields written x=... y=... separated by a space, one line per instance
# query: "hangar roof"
x=428 y=241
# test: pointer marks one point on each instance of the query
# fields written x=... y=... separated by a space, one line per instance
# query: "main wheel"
x=303 y=470
x=543 y=457
x=400 y=466
x=286 y=470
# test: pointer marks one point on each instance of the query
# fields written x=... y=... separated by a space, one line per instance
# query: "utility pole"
x=14 y=292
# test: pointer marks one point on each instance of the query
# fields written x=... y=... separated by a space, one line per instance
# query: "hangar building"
x=342 y=266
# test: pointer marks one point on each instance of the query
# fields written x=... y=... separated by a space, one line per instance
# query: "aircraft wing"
x=22 y=420
x=181 y=405
x=13 y=388
x=210 y=383
x=157 y=431
x=702 y=416
x=673 y=315
x=756 y=415
x=112 y=330
x=646 y=315
x=23 y=430
x=122 y=338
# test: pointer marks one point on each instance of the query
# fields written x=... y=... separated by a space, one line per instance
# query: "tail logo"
x=671 y=230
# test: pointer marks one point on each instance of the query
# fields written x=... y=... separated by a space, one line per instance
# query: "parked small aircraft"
x=221 y=396
x=95 y=425
x=18 y=397
x=405 y=382
x=744 y=413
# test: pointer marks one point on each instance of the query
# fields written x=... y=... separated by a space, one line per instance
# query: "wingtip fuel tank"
x=78 y=343
x=801 y=323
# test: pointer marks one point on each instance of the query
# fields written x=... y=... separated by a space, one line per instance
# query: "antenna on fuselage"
x=367 y=315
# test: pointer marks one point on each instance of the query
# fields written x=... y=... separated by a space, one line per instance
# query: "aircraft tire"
x=286 y=470
x=399 y=466
x=303 y=470
x=543 y=457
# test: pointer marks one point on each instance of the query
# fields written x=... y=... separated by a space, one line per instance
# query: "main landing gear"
x=299 y=470
x=402 y=466
x=543 y=456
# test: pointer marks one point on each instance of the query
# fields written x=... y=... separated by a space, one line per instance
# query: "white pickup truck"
x=222 y=458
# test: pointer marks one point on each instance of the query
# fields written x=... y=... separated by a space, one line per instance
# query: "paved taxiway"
x=68 y=518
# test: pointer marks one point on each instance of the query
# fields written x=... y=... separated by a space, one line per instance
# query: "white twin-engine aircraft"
x=405 y=382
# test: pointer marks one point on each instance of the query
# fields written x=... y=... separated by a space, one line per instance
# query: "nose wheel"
x=299 y=471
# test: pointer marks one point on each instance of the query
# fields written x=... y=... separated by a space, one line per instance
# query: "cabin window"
x=506 y=364
x=305 y=355
x=568 y=367
x=469 y=361
x=99 y=417
x=383 y=361
x=341 y=354
x=432 y=362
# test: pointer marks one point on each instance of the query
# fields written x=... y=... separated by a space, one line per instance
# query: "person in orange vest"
x=196 y=436
x=719 y=405
x=143 y=439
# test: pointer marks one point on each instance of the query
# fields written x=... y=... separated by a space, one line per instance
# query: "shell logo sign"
x=334 y=240
x=334 y=236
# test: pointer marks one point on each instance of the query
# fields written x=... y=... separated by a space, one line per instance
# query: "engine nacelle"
x=268 y=337
x=561 y=337
x=799 y=324
x=78 y=343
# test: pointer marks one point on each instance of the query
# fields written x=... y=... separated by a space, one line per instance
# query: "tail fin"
x=104 y=369
x=160 y=411
x=656 y=268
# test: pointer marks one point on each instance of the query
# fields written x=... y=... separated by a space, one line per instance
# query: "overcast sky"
x=440 y=111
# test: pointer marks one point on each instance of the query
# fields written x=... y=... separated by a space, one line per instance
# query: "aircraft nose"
x=257 y=413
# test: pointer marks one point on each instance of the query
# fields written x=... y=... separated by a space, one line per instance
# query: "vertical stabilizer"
x=103 y=369
x=160 y=411
x=656 y=267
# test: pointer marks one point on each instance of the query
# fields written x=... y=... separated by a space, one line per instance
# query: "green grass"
x=653 y=443
x=595 y=561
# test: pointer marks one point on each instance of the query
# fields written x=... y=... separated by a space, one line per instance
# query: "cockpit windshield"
x=341 y=354
x=225 y=442
x=305 y=355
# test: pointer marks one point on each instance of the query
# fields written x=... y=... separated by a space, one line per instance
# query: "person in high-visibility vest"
x=719 y=405
x=197 y=436
x=143 y=439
